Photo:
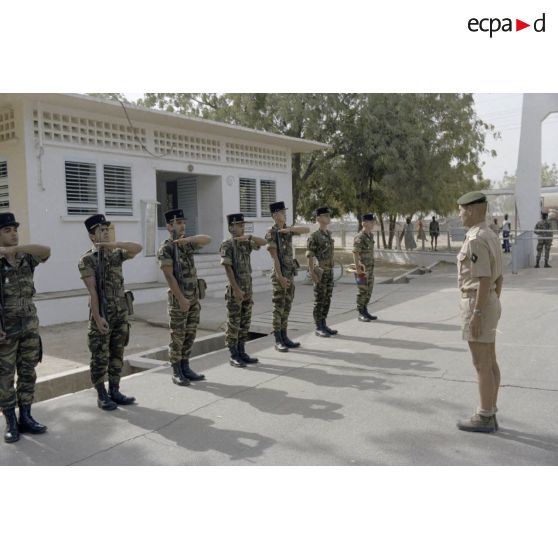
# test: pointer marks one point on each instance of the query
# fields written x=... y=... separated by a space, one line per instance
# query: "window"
x=268 y=194
x=248 y=201
x=4 y=190
x=81 y=188
x=118 y=190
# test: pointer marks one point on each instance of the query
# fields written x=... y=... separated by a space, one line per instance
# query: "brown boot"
x=478 y=423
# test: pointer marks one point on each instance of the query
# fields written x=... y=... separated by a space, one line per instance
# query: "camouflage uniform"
x=320 y=246
x=545 y=238
x=363 y=245
x=107 y=349
x=237 y=255
x=182 y=325
x=22 y=349
x=282 y=298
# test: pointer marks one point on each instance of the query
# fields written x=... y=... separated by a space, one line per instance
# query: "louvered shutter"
x=118 y=190
x=248 y=201
x=4 y=190
x=268 y=194
x=81 y=188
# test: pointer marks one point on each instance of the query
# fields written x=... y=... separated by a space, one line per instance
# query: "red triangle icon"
x=519 y=25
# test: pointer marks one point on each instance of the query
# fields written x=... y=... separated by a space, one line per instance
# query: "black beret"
x=8 y=220
x=322 y=211
x=235 y=218
x=174 y=214
x=94 y=221
x=368 y=217
x=276 y=206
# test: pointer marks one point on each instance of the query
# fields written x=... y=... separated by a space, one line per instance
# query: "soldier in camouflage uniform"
x=109 y=329
x=363 y=255
x=280 y=245
x=320 y=246
x=176 y=259
x=545 y=239
x=235 y=256
x=20 y=344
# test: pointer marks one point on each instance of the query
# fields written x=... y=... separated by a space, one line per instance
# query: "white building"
x=64 y=157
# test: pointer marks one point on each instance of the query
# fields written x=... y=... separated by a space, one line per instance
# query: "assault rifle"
x=100 y=280
x=176 y=265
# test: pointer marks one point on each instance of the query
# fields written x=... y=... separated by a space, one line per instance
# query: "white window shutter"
x=118 y=190
x=248 y=200
x=4 y=189
x=268 y=194
x=81 y=188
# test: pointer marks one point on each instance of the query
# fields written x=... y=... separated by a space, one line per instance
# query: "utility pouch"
x=202 y=286
x=129 y=296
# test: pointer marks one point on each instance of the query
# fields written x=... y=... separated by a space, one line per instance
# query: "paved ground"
x=386 y=393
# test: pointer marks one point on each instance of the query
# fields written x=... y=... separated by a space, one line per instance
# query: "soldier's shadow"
x=197 y=434
x=423 y=325
x=548 y=443
x=275 y=401
x=392 y=343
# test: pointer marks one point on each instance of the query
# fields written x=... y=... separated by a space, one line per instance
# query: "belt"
x=473 y=293
x=19 y=303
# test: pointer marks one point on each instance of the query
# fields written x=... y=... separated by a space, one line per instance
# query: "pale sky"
x=503 y=110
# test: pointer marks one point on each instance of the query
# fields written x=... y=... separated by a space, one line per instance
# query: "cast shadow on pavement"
x=392 y=343
x=422 y=325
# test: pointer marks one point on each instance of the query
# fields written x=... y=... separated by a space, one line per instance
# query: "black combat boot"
x=368 y=315
x=546 y=264
x=288 y=342
x=362 y=317
x=11 y=434
x=104 y=402
x=119 y=398
x=537 y=264
x=245 y=357
x=178 y=377
x=235 y=359
x=328 y=329
x=27 y=423
x=189 y=373
x=279 y=343
x=320 y=331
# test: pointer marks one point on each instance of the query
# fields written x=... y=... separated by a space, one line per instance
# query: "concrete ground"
x=381 y=393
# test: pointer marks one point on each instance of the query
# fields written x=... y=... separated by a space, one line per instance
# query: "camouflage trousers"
x=365 y=291
x=323 y=290
x=239 y=316
x=547 y=243
x=107 y=349
x=21 y=351
x=183 y=327
x=282 y=302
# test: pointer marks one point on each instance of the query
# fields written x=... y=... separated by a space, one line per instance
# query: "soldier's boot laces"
x=11 y=434
x=328 y=329
x=320 y=331
x=119 y=398
x=104 y=402
x=244 y=356
x=368 y=315
x=235 y=359
x=288 y=342
x=478 y=423
x=187 y=372
x=279 y=343
x=362 y=317
x=27 y=423
x=178 y=377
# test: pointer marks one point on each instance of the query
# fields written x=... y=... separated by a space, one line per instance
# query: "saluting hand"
x=6 y=251
x=182 y=240
x=285 y=230
x=106 y=245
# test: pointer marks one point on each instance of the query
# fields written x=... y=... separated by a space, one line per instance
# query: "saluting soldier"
x=176 y=259
x=480 y=284
x=320 y=246
x=20 y=344
x=545 y=238
x=363 y=256
x=235 y=256
x=280 y=246
x=108 y=334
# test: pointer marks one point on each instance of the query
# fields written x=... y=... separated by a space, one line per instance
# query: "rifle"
x=279 y=252
x=100 y=283
x=176 y=265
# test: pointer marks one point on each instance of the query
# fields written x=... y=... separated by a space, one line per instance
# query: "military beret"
x=173 y=214
x=8 y=220
x=368 y=217
x=95 y=221
x=471 y=197
x=322 y=211
x=235 y=218
x=544 y=212
x=276 y=206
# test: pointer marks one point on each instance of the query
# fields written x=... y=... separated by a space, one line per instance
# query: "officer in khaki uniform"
x=363 y=255
x=235 y=257
x=176 y=255
x=320 y=246
x=20 y=344
x=109 y=329
x=543 y=229
x=280 y=246
x=480 y=284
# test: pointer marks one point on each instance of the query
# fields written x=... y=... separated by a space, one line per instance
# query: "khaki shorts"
x=489 y=318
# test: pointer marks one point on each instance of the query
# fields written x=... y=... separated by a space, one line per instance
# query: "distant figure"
x=434 y=233
x=506 y=229
x=421 y=235
x=495 y=227
x=543 y=229
x=398 y=235
x=409 y=233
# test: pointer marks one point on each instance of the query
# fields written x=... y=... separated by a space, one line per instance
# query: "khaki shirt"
x=480 y=256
